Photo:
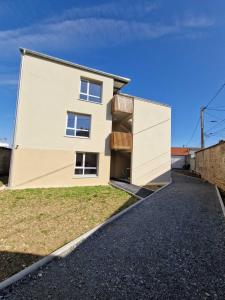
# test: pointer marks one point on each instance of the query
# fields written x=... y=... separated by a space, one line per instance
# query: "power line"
x=213 y=133
x=220 y=106
x=216 y=94
x=219 y=123
x=213 y=116
x=194 y=131
x=202 y=111
x=216 y=135
x=215 y=109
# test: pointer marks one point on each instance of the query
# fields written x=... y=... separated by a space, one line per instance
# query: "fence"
x=210 y=164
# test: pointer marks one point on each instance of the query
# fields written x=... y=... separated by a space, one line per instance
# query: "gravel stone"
x=171 y=246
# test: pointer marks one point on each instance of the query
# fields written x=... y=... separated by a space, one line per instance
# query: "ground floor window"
x=86 y=164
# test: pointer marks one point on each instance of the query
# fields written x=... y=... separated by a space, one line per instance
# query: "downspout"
x=131 y=158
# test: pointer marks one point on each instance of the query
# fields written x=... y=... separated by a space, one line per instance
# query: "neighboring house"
x=74 y=127
x=192 y=152
x=191 y=158
x=5 y=145
x=179 y=157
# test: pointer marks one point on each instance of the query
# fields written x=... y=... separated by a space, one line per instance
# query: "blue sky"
x=174 y=52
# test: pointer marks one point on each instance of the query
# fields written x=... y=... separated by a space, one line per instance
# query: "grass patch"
x=35 y=222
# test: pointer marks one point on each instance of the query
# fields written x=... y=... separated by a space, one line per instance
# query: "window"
x=86 y=164
x=78 y=125
x=91 y=91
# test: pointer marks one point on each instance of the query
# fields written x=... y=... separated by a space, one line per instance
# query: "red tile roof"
x=179 y=151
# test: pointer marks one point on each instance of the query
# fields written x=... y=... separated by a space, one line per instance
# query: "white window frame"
x=86 y=168
x=75 y=126
x=88 y=88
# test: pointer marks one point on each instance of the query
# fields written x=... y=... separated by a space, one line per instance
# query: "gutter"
x=121 y=79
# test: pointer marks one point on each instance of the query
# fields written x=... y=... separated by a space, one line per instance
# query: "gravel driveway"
x=171 y=246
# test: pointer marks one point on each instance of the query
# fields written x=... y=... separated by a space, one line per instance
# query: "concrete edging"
x=189 y=176
x=68 y=248
x=220 y=200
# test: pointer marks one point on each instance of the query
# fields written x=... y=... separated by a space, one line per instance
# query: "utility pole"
x=202 y=127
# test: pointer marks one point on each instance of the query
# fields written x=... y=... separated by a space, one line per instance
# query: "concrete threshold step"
x=138 y=191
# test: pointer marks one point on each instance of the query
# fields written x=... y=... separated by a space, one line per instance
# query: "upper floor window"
x=90 y=90
x=78 y=125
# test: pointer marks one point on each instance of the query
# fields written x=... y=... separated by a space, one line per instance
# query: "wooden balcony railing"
x=121 y=141
x=122 y=104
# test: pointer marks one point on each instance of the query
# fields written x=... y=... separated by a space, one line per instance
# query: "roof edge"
x=25 y=51
x=212 y=146
x=146 y=100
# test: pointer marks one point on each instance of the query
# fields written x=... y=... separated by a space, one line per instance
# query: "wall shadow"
x=13 y=262
x=187 y=172
x=109 y=111
x=128 y=203
x=107 y=146
x=142 y=192
x=4 y=179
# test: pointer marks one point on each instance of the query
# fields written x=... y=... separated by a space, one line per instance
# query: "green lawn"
x=35 y=222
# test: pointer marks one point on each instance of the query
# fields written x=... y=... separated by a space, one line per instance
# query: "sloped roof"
x=119 y=81
x=179 y=151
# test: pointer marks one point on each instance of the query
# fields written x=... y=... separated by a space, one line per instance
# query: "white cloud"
x=103 y=25
x=121 y=9
x=92 y=32
x=196 y=22
x=11 y=82
x=8 y=79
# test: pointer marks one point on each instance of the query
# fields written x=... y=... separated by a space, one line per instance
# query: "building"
x=75 y=127
x=182 y=157
x=5 y=145
x=179 y=156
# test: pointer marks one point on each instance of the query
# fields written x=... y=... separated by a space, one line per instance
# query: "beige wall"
x=151 y=156
x=53 y=168
x=47 y=91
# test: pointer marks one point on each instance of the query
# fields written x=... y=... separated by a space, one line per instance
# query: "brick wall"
x=210 y=164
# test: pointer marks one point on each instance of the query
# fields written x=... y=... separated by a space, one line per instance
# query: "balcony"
x=122 y=105
x=121 y=141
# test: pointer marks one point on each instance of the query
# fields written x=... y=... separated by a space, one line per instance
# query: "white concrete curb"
x=68 y=248
x=220 y=200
